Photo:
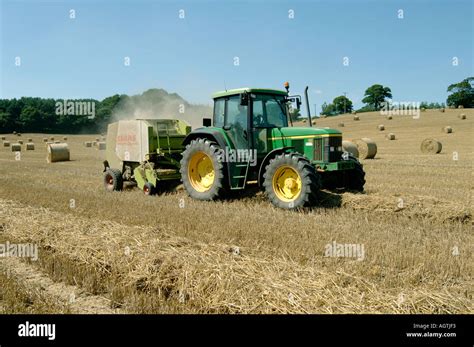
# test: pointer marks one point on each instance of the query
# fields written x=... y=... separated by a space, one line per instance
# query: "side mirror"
x=244 y=99
x=298 y=103
x=206 y=122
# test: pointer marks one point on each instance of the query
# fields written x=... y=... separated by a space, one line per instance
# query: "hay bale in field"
x=356 y=118
x=97 y=139
x=52 y=138
x=313 y=122
x=101 y=146
x=14 y=133
x=431 y=146
x=441 y=110
x=57 y=152
x=381 y=127
x=341 y=125
x=88 y=144
x=389 y=117
x=351 y=147
x=18 y=134
x=366 y=147
x=460 y=106
x=304 y=120
x=16 y=147
x=354 y=112
x=30 y=139
x=462 y=116
x=390 y=136
x=20 y=142
x=64 y=138
x=30 y=146
x=3 y=138
x=45 y=139
x=94 y=143
x=6 y=143
x=447 y=129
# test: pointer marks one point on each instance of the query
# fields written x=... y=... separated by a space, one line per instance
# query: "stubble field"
x=125 y=252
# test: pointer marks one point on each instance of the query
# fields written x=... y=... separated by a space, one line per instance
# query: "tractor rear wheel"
x=355 y=179
x=113 y=180
x=202 y=171
x=290 y=181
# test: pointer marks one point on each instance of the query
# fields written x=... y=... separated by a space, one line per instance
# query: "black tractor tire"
x=113 y=180
x=355 y=179
x=287 y=196
x=202 y=170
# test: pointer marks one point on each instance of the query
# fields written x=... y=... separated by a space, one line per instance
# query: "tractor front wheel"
x=202 y=170
x=113 y=180
x=355 y=179
x=290 y=181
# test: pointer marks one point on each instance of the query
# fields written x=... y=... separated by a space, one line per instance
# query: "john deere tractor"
x=251 y=139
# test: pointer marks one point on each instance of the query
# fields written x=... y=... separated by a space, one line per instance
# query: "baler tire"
x=113 y=180
x=149 y=189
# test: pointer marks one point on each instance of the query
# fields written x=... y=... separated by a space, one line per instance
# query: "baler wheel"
x=113 y=180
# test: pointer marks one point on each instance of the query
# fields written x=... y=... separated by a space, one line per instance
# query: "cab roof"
x=231 y=92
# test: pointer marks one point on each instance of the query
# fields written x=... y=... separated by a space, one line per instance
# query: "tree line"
x=375 y=97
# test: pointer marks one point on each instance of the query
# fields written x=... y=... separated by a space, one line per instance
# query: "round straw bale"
x=389 y=117
x=313 y=122
x=460 y=106
x=88 y=144
x=101 y=146
x=447 y=129
x=57 y=152
x=64 y=138
x=45 y=139
x=441 y=109
x=30 y=146
x=304 y=120
x=367 y=148
x=14 y=133
x=52 y=138
x=431 y=146
x=381 y=127
x=30 y=139
x=3 y=138
x=354 y=112
x=462 y=116
x=6 y=143
x=18 y=134
x=390 y=136
x=16 y=147
x=20 y=142
x=356 y=117
x=341 y=125
x=94 y=143
x=351 y=147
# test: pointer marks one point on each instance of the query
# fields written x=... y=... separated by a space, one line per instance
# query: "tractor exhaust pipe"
x=307 y=106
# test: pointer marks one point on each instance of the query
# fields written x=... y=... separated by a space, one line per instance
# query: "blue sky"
x=194 y=56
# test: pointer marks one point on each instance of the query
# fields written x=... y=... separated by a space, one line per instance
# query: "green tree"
x=341 y=104
x=462 y=93
x=376 y=95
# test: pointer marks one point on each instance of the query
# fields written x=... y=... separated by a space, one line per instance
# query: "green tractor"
x=249 y=140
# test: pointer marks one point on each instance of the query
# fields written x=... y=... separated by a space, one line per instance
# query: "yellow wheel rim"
x=287 y=183
x=201 y=172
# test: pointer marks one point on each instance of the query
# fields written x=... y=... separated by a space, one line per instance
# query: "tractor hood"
x=303 y=132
